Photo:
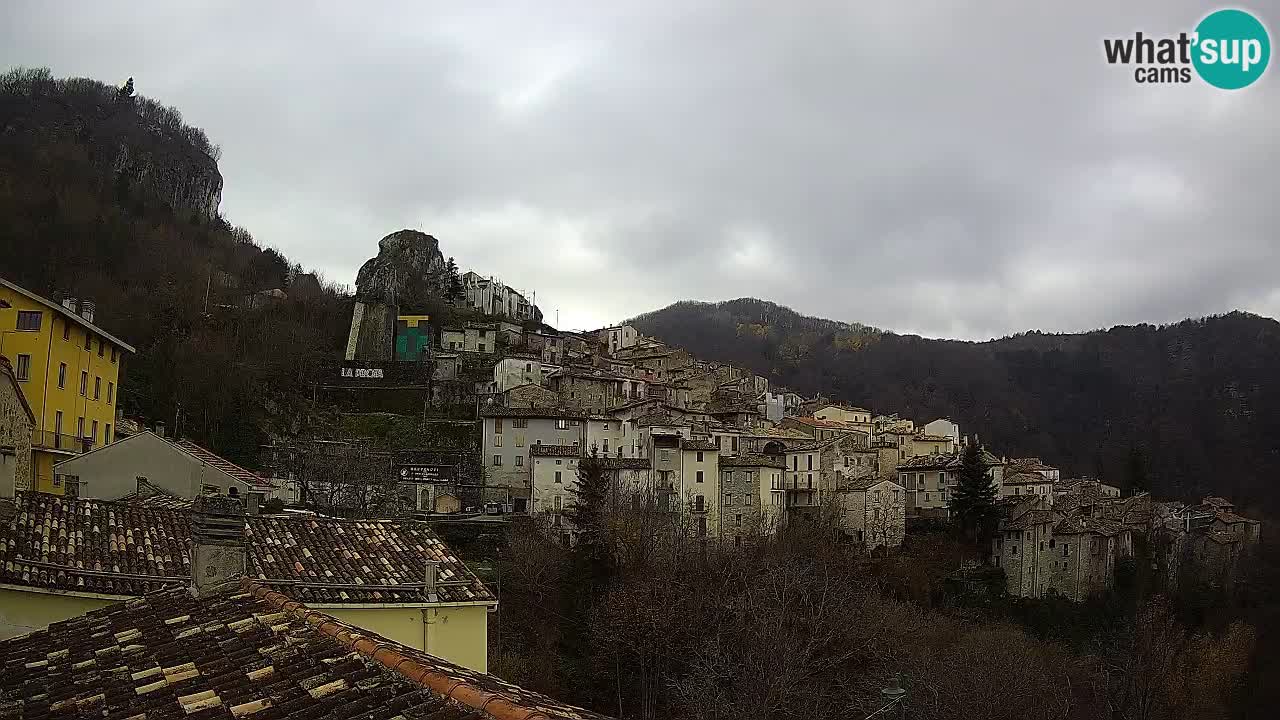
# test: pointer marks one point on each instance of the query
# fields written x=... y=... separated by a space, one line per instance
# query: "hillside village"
x=712 y=445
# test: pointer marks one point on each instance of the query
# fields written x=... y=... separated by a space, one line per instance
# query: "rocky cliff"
x=138 y=147
x=408 y=271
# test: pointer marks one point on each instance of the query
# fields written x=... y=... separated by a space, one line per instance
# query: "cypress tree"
x=973 y=504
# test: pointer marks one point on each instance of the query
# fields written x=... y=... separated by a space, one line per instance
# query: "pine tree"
x=589 y=573
x=973 y=503
x=455 y=291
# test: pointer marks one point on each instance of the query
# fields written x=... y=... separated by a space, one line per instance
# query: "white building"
x=507 y=436
x=491 y=297
x=942 y=427
x=619 y=337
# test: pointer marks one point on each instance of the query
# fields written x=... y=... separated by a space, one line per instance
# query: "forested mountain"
x=108 y=196
x=1194 y=407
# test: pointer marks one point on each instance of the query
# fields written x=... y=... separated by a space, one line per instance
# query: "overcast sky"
x=962 y=170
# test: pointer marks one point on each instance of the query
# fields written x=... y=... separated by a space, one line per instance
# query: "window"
x=562 y=424
x=113 y=353
x=94 y=433
x=520 y=422
x=699 y=503
x=57 y=425
x=97 y=387
x=558 y=476
x=84 y=382
x=528 y=367
x=558 y=461
x=519 y=461
x=497 y=441
x=728 y=500
x=101 y=348
x=699 y=456
x=699 y=476
x=1066 y=550
x=1041 y=546
x=1013 y=549
x=734 y=443
x=559 y=503
x=80 y=427
x=795 y=462
x=926 y=497
x=737 y=541
x=810 y=461
x=497 y=461
x=497 y=425
x=88 y=341
x=519 y=438
x=810 y=481
x=29 y=320
x=66 y=330
x=480 y=347
x=942 y=478
x=57 y=481
x=664 y=455
x=62 y=375
x=106 y=436
x=1051 y=544
x=23 y=370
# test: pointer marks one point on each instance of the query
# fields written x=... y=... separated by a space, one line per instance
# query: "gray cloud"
x=965 y=172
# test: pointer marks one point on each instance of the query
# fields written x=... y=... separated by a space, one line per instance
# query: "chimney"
x=433 y=573
x=217 y=544
x=86 y=309
x=69 y=303
x=160 y=429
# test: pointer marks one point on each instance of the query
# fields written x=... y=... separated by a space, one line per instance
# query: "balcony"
x=60 y=442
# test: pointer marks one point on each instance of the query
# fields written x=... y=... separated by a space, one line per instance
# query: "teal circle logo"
x=1232 y=49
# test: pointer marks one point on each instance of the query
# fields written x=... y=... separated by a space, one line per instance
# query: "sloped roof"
x=148 y=494
x=617 y=463
x=1029 y=464
x=538 y=412
x=214 y=460
x=1031 y=518
x=120 y=549
x=700 y=445
x=238 y=653
x=1024 y=478
x=1231 y=518
x=555 y=450
x=67 y=314
x=752 y=460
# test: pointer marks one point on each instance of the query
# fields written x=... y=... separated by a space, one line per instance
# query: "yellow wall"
x=22 y=612
x=48 y=350
x=457 y=634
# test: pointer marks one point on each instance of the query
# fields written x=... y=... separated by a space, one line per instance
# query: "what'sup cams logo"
x=1229 y=49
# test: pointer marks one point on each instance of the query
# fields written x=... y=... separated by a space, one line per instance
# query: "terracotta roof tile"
x=120 y=549
x=223 y=464
x=752 y=460
x=555 y=450
x=238 y=653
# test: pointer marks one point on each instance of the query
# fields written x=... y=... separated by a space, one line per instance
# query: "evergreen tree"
x=454 y=291
x=588 y=575
x=973 y=502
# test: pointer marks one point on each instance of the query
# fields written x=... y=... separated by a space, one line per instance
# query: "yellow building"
x=69 y=369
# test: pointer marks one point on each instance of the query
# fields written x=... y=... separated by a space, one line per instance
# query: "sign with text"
x=425 y=473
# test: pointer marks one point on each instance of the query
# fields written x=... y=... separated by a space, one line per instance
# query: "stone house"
x=515 y=370
x=16 y=424
x=931 y=479
x=752 y=490
x=872 y=510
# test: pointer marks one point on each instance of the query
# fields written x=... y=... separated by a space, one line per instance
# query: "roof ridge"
x=385 y=653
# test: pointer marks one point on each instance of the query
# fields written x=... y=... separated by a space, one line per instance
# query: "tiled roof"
x=700 y=445
x=1217 y=502
x=1024 y=478
x=555 y=450
x=617 y=463
x=931 y=462
x=226 y=466
x=1231 y=518
x=244 y=653
x=752 y=460
x=1028 y=464
x=832 y=424
x=925 y=437
x=540 y=412
x=658 y=419
x=1031 y=518
x=120 y=549
x=866 y=483
x=807 y=445
x=149 y=494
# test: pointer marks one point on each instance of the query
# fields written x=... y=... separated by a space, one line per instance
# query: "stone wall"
x=15 y=432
